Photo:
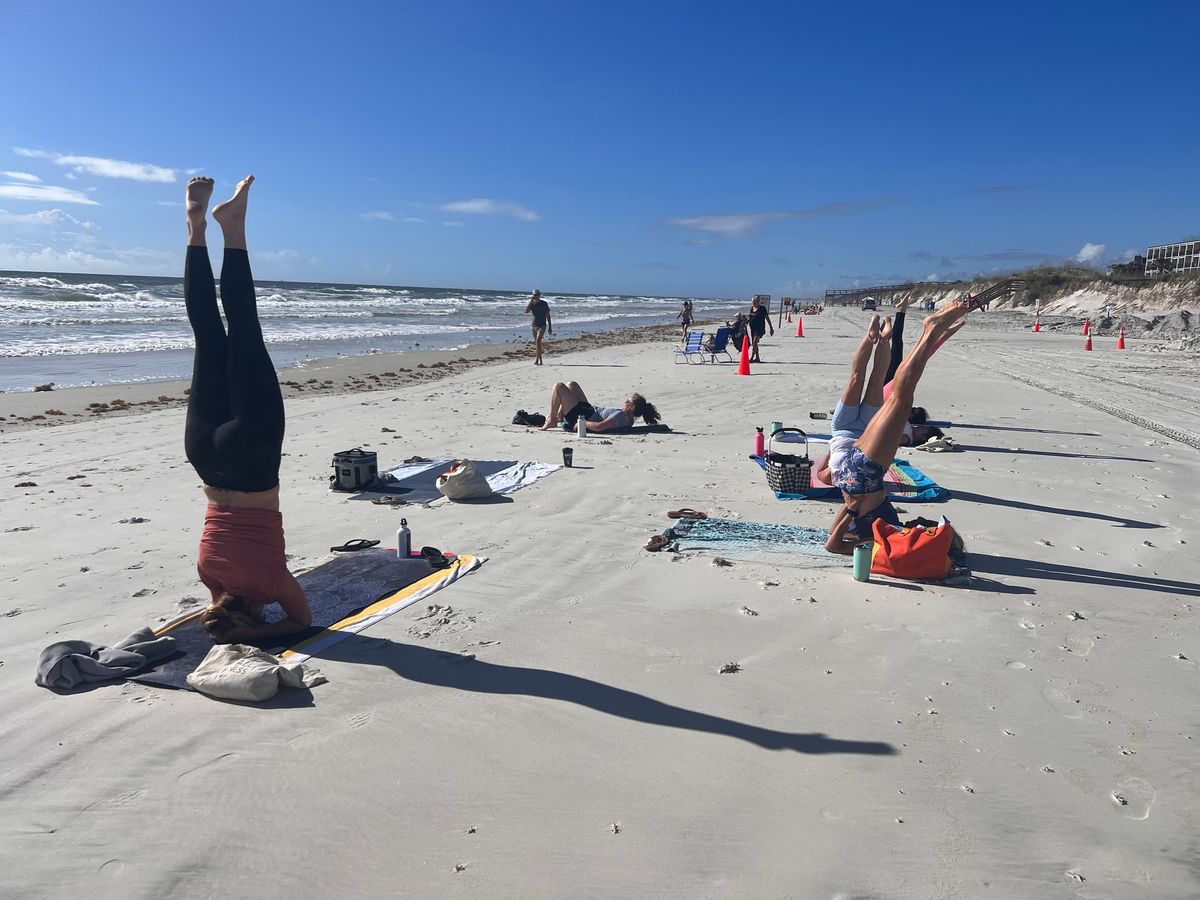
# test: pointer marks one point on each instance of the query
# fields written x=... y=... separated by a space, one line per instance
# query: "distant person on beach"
x=234 y=435
x=737 y=330
x=860 y=473
x=760 y=321
x=685 y=317
x=542 y=322
x=568 y=403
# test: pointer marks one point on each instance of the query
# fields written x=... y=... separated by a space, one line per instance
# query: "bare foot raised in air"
x=873 y=330
x=885 y=330
x=199 y=191
x=948 y=313
x=231 y=215
x=903 y=304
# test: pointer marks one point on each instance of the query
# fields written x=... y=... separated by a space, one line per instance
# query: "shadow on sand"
x=1024 y=430
x=1015 y=567
x=1010 y=451
x=450 y=670
x=1057 y=510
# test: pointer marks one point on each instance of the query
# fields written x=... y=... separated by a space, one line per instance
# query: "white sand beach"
x=563 y=728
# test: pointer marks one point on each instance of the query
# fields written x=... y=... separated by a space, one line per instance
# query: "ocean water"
x=111 y=329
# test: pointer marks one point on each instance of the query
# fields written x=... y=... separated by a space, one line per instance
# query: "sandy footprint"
x=1133 y=798
x=1080 y=646
x=1062 y=700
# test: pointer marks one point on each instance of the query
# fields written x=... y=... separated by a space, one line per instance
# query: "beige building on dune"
x=1167 y=258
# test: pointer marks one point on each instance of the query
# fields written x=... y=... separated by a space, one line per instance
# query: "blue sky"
x=711 y=149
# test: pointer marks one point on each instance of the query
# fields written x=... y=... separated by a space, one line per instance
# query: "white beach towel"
x=521 y=475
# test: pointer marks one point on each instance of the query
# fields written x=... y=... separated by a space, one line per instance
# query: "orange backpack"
x=913 y=553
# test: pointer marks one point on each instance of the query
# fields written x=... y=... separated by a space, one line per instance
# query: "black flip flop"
x=435 y=557
x=351 y=546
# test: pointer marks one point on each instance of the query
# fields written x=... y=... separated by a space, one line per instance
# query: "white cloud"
x=21 y=176
x=730 y=225
x=169 y=203
x=42 y=217
x=484 y=207
x=104 y=168
x=45 y=193
x=453 y=224
x=413 y=219
x=276 y=256
x=1091 y=254
x=117 y=261
x=376 y=215
x=70 y=175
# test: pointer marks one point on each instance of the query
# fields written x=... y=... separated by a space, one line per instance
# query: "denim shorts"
x=852 y=421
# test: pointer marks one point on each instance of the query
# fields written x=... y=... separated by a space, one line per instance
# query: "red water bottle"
x=760 y=443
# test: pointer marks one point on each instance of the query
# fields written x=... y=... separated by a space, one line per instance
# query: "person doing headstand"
x=234 y=435
x=917 y=431
x=860 y=473
x=568 y=403
x=856 y=408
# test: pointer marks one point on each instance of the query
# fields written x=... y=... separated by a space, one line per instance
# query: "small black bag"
x=529 y=420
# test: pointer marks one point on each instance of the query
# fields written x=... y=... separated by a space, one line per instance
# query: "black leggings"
x=234 y=431
x=897 y=347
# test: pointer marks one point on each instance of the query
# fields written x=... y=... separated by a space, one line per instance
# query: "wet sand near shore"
x=336 y=375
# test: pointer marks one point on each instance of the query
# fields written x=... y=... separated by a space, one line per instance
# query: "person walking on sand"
x=760 y=321
x=685 y=317
x=233 y=436
x=860 y=476
x=540 y=310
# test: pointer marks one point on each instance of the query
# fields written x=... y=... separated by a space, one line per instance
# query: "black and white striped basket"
x=788 y=473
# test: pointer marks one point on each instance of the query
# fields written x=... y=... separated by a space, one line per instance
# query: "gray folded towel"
x=68 y=664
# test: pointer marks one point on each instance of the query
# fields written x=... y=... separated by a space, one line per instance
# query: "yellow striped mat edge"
x=434 y=580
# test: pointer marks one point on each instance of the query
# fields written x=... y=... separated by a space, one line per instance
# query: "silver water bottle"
x=581 y=426
x=403 y=540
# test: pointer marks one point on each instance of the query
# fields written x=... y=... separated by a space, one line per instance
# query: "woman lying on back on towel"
x=860 y=474
x=234 y=435
x=568 y=403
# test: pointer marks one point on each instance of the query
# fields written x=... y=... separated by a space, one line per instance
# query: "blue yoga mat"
x=904 y=480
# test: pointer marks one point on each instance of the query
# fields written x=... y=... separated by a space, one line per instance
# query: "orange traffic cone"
x=799 y=326
x=1087 y=326
x=1037 y=324
x=1087 y=345
x=744 y=365
x=1121 y=339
